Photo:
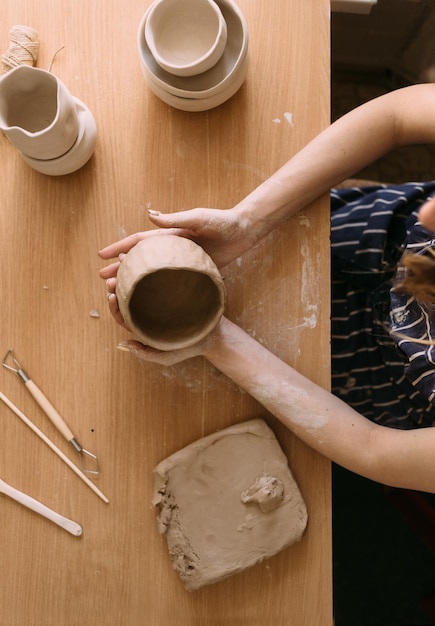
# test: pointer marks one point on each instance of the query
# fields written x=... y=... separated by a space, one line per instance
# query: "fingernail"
x=123 y=347
x=153 y=213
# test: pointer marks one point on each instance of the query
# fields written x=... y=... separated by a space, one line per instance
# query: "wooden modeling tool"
x=51 y=445
x=88 y=460
x=65 y=523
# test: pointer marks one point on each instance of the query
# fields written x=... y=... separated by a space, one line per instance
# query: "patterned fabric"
x=389 y=379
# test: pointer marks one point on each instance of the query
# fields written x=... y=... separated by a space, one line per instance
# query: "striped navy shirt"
x=384 y=375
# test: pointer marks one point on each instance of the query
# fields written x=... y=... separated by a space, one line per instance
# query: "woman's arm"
x=397 y=458
x=324 y=422
x=402 y=117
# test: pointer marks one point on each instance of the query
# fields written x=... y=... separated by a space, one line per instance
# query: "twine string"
x=23 y=48
x=53 y=57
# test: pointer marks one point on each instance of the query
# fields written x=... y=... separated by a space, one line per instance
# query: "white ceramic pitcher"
x=54 y=131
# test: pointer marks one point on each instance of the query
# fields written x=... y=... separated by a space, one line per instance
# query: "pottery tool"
x=65 y=523
x=51 y=445
x=86 y=457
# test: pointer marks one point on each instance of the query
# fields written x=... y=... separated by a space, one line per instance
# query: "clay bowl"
x=233 y=61
x=186 y=37
x=203 y=104
x=170 y=292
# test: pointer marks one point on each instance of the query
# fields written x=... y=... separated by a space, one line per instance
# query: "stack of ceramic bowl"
x=194 y=53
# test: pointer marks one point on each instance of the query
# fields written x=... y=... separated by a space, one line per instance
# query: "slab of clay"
x=226 y=502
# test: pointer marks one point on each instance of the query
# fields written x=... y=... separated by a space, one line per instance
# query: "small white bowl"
x=209 y=86
x=205 y=103
x=186 y=37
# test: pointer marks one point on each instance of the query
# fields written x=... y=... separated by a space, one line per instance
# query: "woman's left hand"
x=170 y=357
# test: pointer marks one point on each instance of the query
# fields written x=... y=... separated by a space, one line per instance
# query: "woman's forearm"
x=320 y=419
x=405 y=116
x=309 y=411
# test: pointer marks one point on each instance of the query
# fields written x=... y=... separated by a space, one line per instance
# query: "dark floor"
x=350 y=89
x=384 y=574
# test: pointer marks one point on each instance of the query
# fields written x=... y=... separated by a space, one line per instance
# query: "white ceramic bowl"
x=231 y=68
x=206 y=103
x=186 y=37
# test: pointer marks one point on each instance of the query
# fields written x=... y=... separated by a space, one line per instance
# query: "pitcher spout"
x=37 y=112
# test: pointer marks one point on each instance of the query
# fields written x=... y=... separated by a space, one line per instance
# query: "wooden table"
x=132 y=415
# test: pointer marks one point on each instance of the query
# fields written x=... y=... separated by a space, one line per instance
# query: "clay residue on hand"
x=266 y=491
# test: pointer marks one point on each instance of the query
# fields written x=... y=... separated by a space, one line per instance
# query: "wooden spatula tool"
x=65 y=523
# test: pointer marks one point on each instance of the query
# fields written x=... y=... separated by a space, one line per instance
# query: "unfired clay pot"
x=186 y=37
x=170 y=292
x=54 y=131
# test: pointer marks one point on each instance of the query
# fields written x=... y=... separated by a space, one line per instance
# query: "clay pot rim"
x=215 y=24
x=211 y=272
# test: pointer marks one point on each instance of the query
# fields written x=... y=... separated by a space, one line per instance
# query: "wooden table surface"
x=131 y=414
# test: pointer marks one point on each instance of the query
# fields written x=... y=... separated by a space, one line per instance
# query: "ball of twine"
x=23 y=48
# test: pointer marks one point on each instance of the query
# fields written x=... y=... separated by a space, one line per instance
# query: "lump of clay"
x=226 y=502
x=267 y=492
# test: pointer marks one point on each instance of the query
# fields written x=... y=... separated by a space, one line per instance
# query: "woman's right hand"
x=224 y=235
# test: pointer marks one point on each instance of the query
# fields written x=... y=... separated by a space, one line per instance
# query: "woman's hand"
x=171 y=357
x=113 y=303
x=223 y=234
x=426 y=215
